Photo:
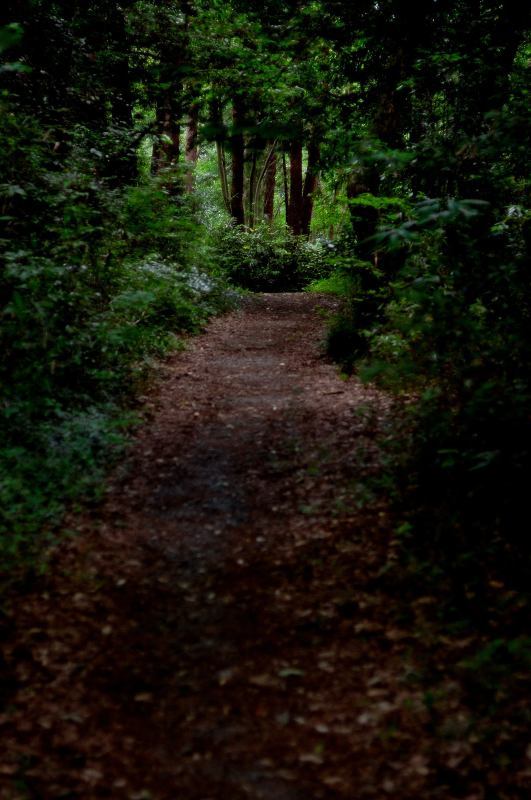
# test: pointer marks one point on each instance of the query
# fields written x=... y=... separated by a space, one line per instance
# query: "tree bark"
x=332 y=230
x=311 y=181
x=269 y=189
x=252 y=188
x=286 y=187
x=216 y=121
x=295 y=197
x=259 y=196
x=222 y=168
x=238 y=165
x=191 y=150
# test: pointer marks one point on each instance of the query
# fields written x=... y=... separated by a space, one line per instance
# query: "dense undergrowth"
x=98 y=280
x=269 y=258
x=451 y=331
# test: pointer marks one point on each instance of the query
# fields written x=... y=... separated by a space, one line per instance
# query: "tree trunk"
x=295 y=197
x=252 y=187
x=259 y=196
x=286 y=187
x=191 y=151
x=238 y=164
x=216 y=121
x=310 y=185
x=332 y=230
x=269 y=190
x=222 y=168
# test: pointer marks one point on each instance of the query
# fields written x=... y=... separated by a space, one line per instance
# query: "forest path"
x=218 y=631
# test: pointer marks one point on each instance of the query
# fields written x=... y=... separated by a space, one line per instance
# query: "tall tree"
x=270 y=185
x=294 y=219
x=311 y=181
x=191 y=151
x=237 y=145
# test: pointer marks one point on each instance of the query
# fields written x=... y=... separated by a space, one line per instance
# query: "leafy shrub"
x=59 y=420
x=363 y=289
x=96 y=281
x=268 y=259
x=456 y=330
x=337 y=283
x=51 y=464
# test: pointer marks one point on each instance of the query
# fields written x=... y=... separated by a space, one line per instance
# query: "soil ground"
x=219 y=629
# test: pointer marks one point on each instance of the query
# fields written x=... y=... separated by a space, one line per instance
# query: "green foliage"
x=363 y=289
x=458 y=321
x=10 y=36
x=338 y=283
x=49 y=465
x=69 y=355
x=427 y=214
x=438 y=306
x=268 y=259
x=98 y=278
x=368 y=200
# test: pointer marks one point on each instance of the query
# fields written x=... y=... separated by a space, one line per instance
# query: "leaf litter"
x=224 y=625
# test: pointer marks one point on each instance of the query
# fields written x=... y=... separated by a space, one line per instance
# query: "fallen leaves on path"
x=220 y=627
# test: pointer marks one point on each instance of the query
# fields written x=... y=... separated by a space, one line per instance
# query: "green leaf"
x=10 y=35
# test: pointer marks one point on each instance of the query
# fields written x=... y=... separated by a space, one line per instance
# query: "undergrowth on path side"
x=268 y=258
x=98 y=282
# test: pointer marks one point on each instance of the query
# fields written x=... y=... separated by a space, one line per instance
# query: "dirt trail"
x=217 y=632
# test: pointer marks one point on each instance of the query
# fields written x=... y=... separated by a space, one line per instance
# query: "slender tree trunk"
x=286 y=187
x=238 y=166
x=222 y=168
x=252 y=189
x=216 y=120
x=191 y=151
x=259 y=196
x=270 y=184
x=310 y=185
x=295 y=197
x=332 y=231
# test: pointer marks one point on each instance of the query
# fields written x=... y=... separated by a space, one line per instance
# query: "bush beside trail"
x=269 y=258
